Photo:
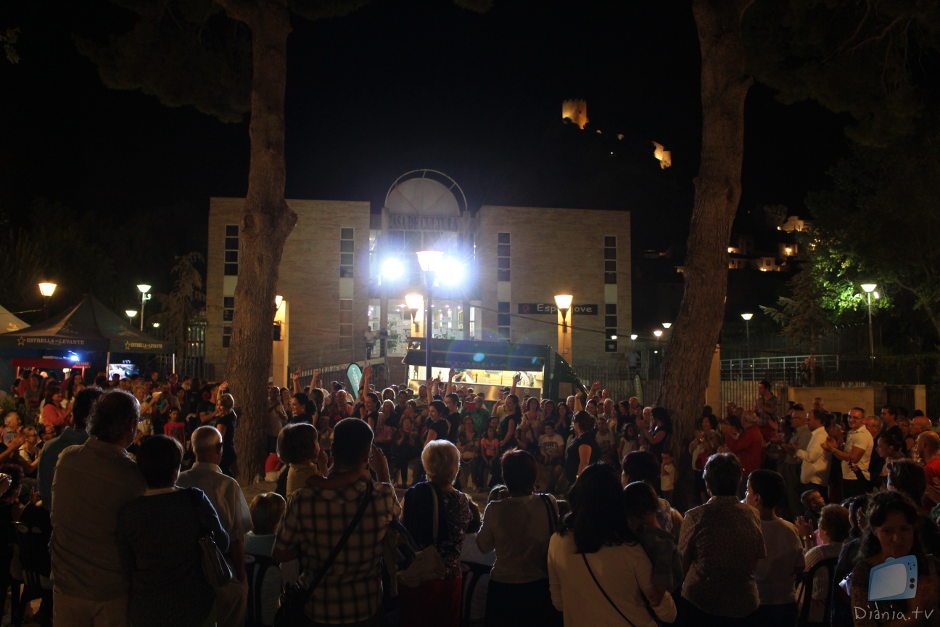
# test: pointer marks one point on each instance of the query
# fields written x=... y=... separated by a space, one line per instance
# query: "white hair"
x=440 y=459
x=206 y=438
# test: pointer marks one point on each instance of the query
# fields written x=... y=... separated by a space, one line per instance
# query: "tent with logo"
x=9 y=322
x=89 y=326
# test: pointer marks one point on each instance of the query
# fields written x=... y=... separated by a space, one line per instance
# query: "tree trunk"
x=717 y=192
x=264 y=229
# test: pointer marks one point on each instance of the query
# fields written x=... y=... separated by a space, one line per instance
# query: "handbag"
x=427 y=564
x=215 y=567
x=293 y=599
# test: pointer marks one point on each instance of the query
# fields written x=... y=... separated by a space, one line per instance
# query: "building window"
x=345 y=323
x=347 y=251
x=226 y=336
x=231 y=250
x=502 y=257
x=502 y=319
x=610 y=259
x=228 y=309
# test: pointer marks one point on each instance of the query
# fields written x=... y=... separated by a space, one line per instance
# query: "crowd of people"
x=374 y=513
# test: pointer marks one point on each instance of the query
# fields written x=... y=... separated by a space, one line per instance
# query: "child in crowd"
x=489 y=451
x=298 y=447
x=642 y=505
x=11 y=427
x=175 y=427
x=667 y=476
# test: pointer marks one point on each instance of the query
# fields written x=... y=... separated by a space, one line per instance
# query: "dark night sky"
x=406 y=84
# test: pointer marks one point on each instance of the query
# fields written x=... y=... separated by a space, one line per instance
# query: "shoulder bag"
x=290 y=611
x=427 y=564
x=215 y=568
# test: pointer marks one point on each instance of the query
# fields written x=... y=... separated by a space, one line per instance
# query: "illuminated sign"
x=549 y=308
x=403 y=222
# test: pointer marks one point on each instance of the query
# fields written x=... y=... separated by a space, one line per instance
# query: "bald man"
x=226 y=495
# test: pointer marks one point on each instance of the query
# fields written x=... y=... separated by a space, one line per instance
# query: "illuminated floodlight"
x=429 y=259
x=393 y=268
x=47 y=289
x=451 y=271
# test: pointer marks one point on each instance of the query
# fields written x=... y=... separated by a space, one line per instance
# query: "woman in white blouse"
x=598 y=573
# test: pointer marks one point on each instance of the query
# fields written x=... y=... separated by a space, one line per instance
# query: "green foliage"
x=803 y=315
x=874 y=61
x=185 y=300
x=184 y=52
x=8 y=39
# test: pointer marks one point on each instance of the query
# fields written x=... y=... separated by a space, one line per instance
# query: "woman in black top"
x=583 y=450
x=506 y=432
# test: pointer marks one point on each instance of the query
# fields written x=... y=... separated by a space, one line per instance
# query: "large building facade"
x=346 y=270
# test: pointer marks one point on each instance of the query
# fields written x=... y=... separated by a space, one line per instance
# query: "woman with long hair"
x=598 y=573
x=583 y=450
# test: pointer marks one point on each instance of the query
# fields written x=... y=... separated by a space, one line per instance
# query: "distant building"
x=343 y=302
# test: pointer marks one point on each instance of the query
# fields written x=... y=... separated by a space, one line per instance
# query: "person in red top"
x=747 y=444
x=928 y=447
x=175 y=427
x=52 y=412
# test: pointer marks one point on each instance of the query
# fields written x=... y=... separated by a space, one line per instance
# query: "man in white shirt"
x=814 y=472
x=231 y=601
x=855 y=455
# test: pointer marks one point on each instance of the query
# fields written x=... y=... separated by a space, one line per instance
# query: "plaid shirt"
x=315 y=520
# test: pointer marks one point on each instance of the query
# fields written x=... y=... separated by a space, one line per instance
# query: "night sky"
x=402 y=85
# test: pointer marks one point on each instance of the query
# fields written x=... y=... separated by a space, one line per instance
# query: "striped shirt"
x=314 y=522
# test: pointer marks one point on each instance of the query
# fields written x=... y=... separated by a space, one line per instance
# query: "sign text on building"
x=549 y=308
x=403 y=222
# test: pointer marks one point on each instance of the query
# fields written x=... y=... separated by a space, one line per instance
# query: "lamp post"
x=869 y=288
x=144 y=297
x=130 y=313
x=666 y=325
x=47 y=289
x=428 y=260
x=747 y=331
x=414 y=302
x=563 y=304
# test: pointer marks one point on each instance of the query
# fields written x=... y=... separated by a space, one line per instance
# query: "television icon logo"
x=893 y=580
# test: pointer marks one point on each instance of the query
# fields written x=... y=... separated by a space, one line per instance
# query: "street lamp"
x=633 y=336
x=130 y=313
x=658 y=333
x=47 y=290
x=414 y=302
x=563 y=304
x=869 y=288
x=428 y=260
x=144 y=297
x=747 y=331
x=666 y=325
